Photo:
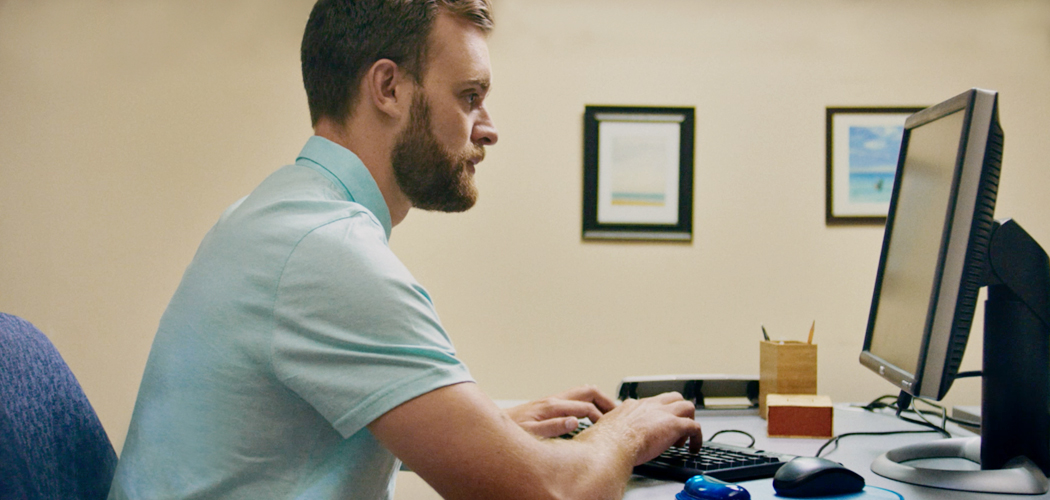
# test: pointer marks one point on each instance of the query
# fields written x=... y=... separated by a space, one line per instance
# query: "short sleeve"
x=355 y=334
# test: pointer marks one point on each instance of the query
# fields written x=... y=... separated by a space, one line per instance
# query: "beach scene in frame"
x=863 y=144
x=873 y=152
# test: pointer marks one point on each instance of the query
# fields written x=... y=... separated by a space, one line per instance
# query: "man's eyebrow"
x=482 y=83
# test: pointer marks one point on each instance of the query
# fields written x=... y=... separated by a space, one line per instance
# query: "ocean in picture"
x=873 y=152
x=870 y=187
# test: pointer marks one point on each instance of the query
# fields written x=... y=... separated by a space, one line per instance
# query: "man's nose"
x=484 y=132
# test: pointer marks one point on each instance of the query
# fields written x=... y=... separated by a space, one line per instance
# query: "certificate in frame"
x=638 y=173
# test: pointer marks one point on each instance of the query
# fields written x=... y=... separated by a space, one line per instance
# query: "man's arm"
x=457 y=440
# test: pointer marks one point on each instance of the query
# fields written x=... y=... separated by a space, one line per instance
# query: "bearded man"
x=300 y=359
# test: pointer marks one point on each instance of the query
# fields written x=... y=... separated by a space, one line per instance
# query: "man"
x=299 y=357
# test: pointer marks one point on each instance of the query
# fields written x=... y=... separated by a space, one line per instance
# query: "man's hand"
x=651 y=425
x=559 y=414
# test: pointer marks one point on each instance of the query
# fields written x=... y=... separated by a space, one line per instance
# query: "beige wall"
x=127 y=126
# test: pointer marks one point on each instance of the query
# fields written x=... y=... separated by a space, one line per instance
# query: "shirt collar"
x=345 y=169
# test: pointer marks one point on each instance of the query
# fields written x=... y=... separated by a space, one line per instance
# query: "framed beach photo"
x=862 y=149
x=638 y=173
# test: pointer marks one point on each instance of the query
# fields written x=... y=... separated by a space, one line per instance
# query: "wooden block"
x=799 y=415
x=786 y=367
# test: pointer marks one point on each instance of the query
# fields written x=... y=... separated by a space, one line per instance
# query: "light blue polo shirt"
x=293 y=328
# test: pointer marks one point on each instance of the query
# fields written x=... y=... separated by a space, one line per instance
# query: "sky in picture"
x=873 y=162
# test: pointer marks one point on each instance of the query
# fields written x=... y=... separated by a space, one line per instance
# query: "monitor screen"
x=910 y=276
x=936 y=234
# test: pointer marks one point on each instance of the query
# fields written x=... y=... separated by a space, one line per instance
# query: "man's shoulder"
x=294 y=201
x=257 y=236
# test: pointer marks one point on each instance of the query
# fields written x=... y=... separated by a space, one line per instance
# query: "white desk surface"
x=855 y=452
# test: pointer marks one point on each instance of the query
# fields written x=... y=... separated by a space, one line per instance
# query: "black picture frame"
x=626 y=200
x=845 y=202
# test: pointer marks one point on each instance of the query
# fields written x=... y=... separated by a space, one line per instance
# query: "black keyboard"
x=720 y=461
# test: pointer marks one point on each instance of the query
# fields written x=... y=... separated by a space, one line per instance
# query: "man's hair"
x=343 y=38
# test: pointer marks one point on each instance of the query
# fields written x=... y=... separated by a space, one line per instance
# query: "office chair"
x=52 y=445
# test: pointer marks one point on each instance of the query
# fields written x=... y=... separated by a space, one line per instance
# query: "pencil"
x=814 y=325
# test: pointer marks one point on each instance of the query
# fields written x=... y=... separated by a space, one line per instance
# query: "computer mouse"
x=708 y=488
x=815 y=477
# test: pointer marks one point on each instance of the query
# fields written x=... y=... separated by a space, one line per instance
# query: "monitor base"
x=1019 y=476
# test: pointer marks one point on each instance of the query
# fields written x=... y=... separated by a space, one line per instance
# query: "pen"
x=764 y=334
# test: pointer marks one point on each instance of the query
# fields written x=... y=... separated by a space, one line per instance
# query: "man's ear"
x=386 y=86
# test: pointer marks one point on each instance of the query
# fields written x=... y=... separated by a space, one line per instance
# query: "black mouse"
x=815 y=477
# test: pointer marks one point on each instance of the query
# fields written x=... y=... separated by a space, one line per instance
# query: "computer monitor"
x=940 y=247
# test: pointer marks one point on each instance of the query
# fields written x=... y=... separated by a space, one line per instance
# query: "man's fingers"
x=691 y=434
x=676 y=405
x=552 y=416
x=695 y=443
x=668 y=397
x=687 y=411
x=694 y=433
x=579 y=409
x=553 y=427
x=590 y=394
x=683 y=408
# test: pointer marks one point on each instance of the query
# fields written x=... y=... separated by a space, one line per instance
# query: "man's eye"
x=473 y=98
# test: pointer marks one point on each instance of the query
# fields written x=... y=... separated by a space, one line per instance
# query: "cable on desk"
x=906 y=401
x=878 y=404
x=910 y=404
x=734 y=431
x=835 y=440
x=943 y=414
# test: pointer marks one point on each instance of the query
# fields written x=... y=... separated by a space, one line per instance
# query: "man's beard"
x=429 y=176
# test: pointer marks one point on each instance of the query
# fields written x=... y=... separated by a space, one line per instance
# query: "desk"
x=855 y=452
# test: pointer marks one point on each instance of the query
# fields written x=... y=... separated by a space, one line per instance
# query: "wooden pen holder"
x=786 y=367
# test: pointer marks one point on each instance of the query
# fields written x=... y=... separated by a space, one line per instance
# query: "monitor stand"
x=1014 y=447
x=1020 y=475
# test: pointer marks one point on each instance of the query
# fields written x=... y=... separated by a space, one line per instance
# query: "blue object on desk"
x=708 y=488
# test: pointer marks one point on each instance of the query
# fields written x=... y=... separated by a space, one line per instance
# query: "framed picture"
x=638 y=173
x=862 y=149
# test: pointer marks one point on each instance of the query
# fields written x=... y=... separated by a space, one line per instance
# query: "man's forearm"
x=458 y=441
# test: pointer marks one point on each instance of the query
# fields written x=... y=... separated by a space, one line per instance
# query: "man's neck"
x=373 y=149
